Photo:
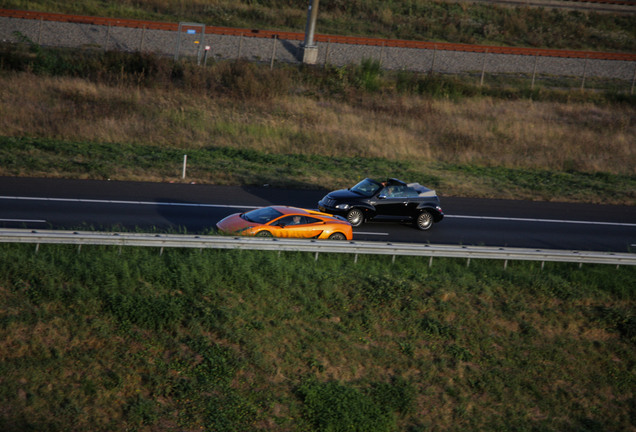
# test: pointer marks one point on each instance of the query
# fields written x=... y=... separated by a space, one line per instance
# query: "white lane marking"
x=541 y=220
x=157 y=203
x=371 y=233
x=24 y=220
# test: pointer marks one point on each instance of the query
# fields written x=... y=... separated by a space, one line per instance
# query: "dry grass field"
x=430 y=132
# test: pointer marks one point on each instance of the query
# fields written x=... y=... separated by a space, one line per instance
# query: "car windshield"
x=261 y=215
x=366 y=187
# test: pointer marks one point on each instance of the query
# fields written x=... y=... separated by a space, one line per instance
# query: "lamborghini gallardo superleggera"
x=290 y=222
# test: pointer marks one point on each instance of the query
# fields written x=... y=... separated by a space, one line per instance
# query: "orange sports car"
x=290 y=222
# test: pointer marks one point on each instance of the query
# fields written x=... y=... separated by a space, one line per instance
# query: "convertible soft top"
x=422 y=190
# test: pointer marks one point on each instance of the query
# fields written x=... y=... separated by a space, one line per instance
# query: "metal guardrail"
x=314 y=246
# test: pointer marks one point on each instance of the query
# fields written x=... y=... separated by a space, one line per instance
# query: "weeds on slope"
x=108 y=339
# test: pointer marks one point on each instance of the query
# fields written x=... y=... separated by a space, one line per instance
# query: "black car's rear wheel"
x=424 y=220
x=355 y=217
x=337 y=236
x=264 y=234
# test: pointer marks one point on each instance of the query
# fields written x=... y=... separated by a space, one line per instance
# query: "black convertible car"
x=390 y=199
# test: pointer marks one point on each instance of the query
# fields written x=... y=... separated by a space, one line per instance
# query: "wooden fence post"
x=534 y=71
x=584 y=73
x=107 y=38
x=327 y=53
x=434 y=57
x=40 y=31
x=143 y=37
x=271 y=63
x=238 y=56
x=483 y=68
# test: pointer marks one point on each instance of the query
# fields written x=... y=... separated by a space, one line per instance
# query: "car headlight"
x=343 y=206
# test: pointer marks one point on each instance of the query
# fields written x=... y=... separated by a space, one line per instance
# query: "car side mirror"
x=383 y=196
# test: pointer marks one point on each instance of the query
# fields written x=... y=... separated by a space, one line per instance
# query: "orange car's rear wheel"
x=264 y=234
x=337 y=236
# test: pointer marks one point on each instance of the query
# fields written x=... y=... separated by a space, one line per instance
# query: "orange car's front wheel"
x=264 y=234
x=337 y=236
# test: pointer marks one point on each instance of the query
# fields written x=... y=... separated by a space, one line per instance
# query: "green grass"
x=223 y=165
x=105 y=339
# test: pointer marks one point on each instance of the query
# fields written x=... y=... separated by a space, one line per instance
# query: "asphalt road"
x=38 y=203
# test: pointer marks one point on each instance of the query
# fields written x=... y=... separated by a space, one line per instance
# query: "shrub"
x=368 y=74
x=334 y=407
x=397 y=395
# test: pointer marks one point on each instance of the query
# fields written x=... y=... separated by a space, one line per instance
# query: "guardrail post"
x=430 y=261
x=633 y=80
x=467 y=262
x=316 y=256
x=505 y=264
x=355 y=259
x=37 y=247
x=185 y=161
x=393 y=260
x=327 y=52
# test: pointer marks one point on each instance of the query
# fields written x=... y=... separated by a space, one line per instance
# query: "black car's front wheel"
x=355 y=217
x=424 y=220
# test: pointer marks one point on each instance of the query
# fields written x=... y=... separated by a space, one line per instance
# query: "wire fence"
x=561 y=68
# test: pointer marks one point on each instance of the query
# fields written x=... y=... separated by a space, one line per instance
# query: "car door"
x=296 y=226
x=391 y=201
x=413 y=201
